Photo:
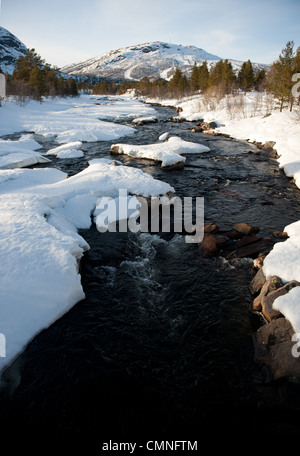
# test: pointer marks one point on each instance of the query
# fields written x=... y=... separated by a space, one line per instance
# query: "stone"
x=210 y=227
x=115 y=150
x=251 y=251
x=257 y=283
x=280 y=234
x=267 y=300
x=247 y=240
x=246 y=229
x=212 y=125
x=208 y=246
x=258 y=262
x=270 y=285
x=273 y=350
x=176 y=166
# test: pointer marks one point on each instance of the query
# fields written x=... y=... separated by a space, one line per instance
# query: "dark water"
x=161 y=348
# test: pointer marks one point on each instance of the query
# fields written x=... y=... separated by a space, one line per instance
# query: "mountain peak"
x=155 y=60
x=11 y=48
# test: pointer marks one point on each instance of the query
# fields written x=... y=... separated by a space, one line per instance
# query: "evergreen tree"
x=194 y=80
x=246 y=76
x=260 y=80
x=203 y=76
x=222 y=76
x=280 y=75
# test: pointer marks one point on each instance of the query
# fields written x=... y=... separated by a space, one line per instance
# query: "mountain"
x=11 y=48
x=154 y=60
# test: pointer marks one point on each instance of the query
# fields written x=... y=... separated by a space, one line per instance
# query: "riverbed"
x=161 y=347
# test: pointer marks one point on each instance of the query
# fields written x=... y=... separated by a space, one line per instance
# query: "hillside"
x=11 y=48
x=154 y=60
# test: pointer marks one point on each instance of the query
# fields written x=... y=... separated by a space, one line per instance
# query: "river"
x=161 y=348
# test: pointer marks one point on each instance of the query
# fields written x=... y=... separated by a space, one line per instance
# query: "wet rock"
x=267 y=300
x=210 y=227
x=208 y=246
x=270 y=285
x=252 y=250
x=273 y=350
x=247 y=240
x=197 y=130
x=257 y=283
x=115 y=150
x=233 y=234
x=245 y=229
x=280 y=234
x=258 y=262
x=176 y=166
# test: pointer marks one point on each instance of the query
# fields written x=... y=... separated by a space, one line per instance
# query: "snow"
x=71 y=119
x=169 y=152
x=69 y=150
x=164 y=136
x=145 y=119
x=255 y=117
x=20 y=153
x=40 y=248
x=42 y=209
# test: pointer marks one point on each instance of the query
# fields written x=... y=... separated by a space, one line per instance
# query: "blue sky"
x=66 y=31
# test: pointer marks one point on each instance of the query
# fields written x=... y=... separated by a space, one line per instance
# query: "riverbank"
x=255 y=118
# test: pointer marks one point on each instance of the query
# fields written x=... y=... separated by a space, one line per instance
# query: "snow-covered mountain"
x=11 y=48
x=155 y=60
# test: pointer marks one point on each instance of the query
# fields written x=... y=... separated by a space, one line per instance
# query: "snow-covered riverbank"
x=42 y=209
x=254 y=117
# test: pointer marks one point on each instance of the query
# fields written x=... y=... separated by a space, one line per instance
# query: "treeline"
x=34 y=78
x=221 y=77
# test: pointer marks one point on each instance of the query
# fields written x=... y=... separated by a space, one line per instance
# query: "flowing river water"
x=161 y=348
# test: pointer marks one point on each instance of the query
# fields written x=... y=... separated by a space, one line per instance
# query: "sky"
x=69 y=31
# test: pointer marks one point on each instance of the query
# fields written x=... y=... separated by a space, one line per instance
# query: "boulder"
x=267 y=300
x=252 y=250
x=210 y=227
x=257 y=283
x=115 y=150
x=208 y=246
x=273 y=350
x=280 y=234
x=245 y=229
x=258 y=262
x=270 y=285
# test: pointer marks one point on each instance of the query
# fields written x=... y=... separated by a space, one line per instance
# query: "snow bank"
x=72 y=119
x=20 y=153
x=169 y=152
x=40 y=248
x=69 y=150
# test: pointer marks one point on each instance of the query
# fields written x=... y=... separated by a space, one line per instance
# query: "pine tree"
x=194 y=80
x=246 y=76
x=203 y=76
x=280 y=75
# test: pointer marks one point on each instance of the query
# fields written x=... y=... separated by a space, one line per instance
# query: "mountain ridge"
x=155 y=60
x=11 y=48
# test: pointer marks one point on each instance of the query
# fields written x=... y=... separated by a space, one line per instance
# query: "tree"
x=203 y=76
x=222 y=76
x=179 y=83
x=194 y=80
x=280 y=75
x=246 y=76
